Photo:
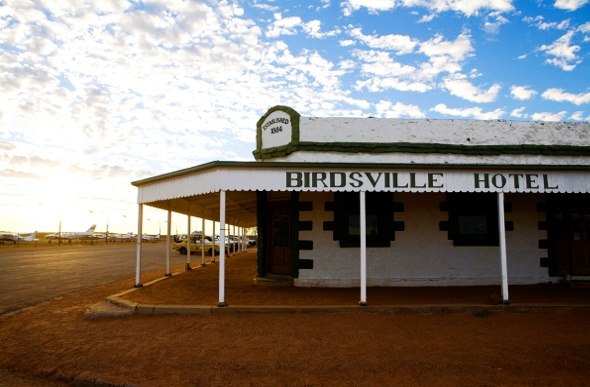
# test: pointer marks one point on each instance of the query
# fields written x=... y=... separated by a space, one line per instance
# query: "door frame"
x=560 y=233
x=264 y=199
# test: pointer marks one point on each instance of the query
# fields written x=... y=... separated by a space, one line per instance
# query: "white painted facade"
x=421 y=255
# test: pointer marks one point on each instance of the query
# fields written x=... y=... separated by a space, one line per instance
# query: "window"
x=379 y=215
x=473 y=219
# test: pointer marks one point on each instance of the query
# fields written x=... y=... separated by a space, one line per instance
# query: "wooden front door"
x=278 y=253
x=580 y=238
x=571 y=231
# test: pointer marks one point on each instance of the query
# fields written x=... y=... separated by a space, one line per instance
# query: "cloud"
x=560 y=95
x=373 y=6
x=519 y=113
x=386 y=109
x=577 y=116
x=459 y=86
x=539 y=22
x=493 y=26
x=570 y=5
x=474 y=112
x=283 y=26
x=547 y=116
x=380 y=84
x=474 y=73
x=313 y=29
x=383 y=73
x=427 y=18
x=564 y=54
x=522 y=93
x=445 y=56
x=585 y=29
x=402 y=44
x=465 y=7
x=293 y=24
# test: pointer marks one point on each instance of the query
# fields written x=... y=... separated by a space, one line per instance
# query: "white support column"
x=168 y=244
x=222 y=302
x=138 y=255
x=230 y=246
x=203 y=242
x=227 y=234
x=241 y=239
x=233 y=245
x=187 y=265
x=213 y=251
x=238 y=242
x=363 y=237
x=502 y=236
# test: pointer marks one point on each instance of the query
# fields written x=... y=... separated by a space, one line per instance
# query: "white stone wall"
x=467 y=132
x=422 y=255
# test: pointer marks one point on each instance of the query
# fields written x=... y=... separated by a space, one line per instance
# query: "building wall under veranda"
x=421 y=254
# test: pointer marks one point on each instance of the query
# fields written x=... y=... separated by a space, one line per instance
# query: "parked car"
x=196 y=246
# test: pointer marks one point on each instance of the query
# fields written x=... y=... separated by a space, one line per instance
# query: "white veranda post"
x=363 y=237
x=502 y=236
x=214 y=242
x=168 y=243
x=203 y=242
x=222 y=249
x=138 y=255
x=187 y=265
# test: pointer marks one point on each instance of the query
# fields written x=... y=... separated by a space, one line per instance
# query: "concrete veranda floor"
x=200 y=286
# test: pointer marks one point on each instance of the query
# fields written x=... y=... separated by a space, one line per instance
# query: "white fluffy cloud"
x=402 y=44
x=570 y=5
x=474 y=112
x=519 y=113
x=465 y=7
x=493 y=23
x=577 y=116
x=522 y=93
x=563 y=53
x=548 y=116
x=540 y=23
x=459 y=86
x=560 y=95
x=372 y=6
x=386 y=109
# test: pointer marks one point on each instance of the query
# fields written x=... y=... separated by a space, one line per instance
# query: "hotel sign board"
x=426 y=181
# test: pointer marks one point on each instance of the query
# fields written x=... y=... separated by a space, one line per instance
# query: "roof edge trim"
x=421 y=148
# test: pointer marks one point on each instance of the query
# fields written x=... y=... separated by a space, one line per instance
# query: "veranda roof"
x=195 y=191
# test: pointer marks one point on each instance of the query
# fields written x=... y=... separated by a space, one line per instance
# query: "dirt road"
x=55 y=342
x=31 y=275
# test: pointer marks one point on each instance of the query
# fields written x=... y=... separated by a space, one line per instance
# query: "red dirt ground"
x=53 y=344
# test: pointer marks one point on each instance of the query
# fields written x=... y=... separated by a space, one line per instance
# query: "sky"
x=97 y=94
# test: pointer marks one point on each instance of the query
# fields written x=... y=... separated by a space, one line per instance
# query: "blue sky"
x=96 y=94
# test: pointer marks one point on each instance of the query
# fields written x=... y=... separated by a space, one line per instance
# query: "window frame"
x=379 y=206
x=473 y=204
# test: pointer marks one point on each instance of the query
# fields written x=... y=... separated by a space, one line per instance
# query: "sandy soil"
x=53 y=344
